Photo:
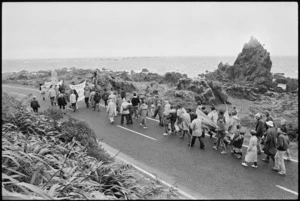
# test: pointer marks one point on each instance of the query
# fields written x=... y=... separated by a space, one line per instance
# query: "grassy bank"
x=44 y=159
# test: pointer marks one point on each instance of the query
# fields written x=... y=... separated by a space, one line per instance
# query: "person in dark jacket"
x=270 y=142
x=173 y=118
x=62 y=100
x=283 y=128
x=105 y=97
x=237 y=142
x=34 y=104
x=282 y=146
x=97 y=99
x=123 y=93
x=260 y=130
x=135 y=101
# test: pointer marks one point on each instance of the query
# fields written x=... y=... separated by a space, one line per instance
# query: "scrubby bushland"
x=38 y=164
x=173 y=77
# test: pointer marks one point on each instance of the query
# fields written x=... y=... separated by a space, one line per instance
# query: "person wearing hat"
x=34 y=104
x=260 y=130
x=251 y=155
x=270 y=142
x=282 y=146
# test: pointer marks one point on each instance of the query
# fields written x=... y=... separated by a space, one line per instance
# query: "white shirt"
x=73 y=98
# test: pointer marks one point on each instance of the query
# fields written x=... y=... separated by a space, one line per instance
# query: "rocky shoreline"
x=248 y=79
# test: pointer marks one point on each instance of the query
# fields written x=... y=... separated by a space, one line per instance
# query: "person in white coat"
x=196 y=127
x=73 y=100
x=251 y=155
x=111 y=110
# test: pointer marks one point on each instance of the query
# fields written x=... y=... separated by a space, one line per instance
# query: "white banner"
x=47 y=85
x=80 y=90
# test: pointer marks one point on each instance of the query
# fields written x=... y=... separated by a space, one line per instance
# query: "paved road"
x=201 y=173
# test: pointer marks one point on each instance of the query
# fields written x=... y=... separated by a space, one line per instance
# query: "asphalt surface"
x=201 y=173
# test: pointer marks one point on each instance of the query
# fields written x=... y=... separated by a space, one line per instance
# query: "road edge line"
x=286 y=189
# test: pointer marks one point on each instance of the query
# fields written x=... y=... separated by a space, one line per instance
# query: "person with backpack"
x=105 y=97
x=87 y=94
x=283 y=128
x=34 y=104
x=282 y=146
x=97 y=99
x=61 y=101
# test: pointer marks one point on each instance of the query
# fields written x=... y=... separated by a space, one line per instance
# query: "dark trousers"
x=130 y=118
x=160 y=117
x=155 y=113
x=173 y=126
x=201 y=142
x=52 y=100
x=105 y=103
x=86 y=99
x=61 y=106
x=35 y=109
x=122 y=118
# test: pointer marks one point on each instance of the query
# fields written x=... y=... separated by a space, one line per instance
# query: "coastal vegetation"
x=63 y=160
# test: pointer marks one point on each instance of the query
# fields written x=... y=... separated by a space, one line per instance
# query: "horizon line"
x=90 y=57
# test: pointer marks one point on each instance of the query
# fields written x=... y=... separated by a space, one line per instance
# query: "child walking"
x=251 y=155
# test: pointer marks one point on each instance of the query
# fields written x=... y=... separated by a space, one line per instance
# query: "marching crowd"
x=222 y=125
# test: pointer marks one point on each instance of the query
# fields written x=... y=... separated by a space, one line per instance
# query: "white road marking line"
x=155 y=177
x=16 y=93
x=152 y=119
x=20 y=88
x=291 y=160
x=286 y=189
x=136 y=132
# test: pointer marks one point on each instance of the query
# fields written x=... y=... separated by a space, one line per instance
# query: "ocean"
x=192 y=66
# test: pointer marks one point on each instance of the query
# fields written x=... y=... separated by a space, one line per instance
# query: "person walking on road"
x=92 y=100
x=270 y=142
x=237 y=142
x=173 y=119
x=283 y=128
x=143 y=111
x=221 y=132
x=87 y=94
x=105 y=97
x=111 y=109
x=251 y=155
x=97 y=99
x=160 y=110
x=61 y=101
x=260 y=130
x=52 y=95
x=73 y=101
x=43 y=92
x=283 y=144
x=130 y=109
x=113 y=97
x=34 y=104
x=124 y=110
x=135 y=105
x=196 y=127
x=123 y=93
x=186 y=120
x=119 y=103
x=166 y=121
x=213 y=115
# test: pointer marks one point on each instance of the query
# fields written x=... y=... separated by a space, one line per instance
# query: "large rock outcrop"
x=211 y=92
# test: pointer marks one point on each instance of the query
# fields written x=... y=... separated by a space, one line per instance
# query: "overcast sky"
x=102 y=29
